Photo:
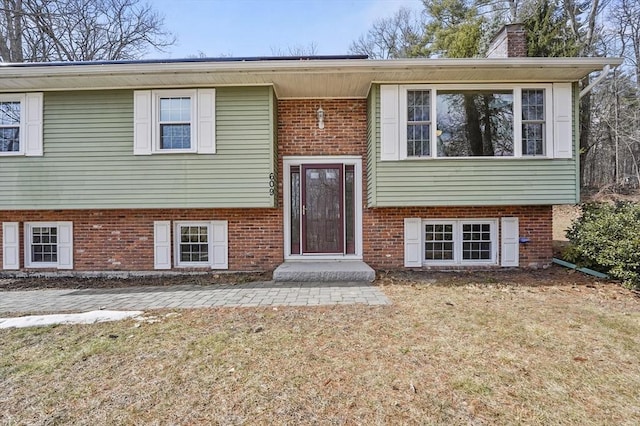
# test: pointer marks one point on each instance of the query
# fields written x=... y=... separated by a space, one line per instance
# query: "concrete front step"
x=324 y=271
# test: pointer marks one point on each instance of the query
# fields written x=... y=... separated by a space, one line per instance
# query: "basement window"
x=460 y=242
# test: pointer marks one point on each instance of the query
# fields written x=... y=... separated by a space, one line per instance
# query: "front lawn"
x=453 y=352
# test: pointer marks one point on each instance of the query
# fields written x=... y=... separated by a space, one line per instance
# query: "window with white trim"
x=175 y=127
x=198 y=244
x=49 y=245
x=534 y=122
x=21 y=124
x=476 y=120
x=460 y=242
x=418 y=123
x=174 y=121
x=10 y=126
x=193 y=244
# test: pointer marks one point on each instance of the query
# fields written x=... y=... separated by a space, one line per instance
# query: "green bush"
x=607 y=238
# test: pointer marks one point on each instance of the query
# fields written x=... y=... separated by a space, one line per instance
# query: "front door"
x=322 y=208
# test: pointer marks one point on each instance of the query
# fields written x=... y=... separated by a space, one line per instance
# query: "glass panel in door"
x=322 y=209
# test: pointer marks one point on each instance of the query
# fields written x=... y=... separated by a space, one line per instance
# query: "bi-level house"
x=249 y=163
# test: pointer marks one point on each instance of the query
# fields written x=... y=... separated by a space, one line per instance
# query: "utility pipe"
x=583 y=270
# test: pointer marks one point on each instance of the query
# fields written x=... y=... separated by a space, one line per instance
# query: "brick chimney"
x=509 y=42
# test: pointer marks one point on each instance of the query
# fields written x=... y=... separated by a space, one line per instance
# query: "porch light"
x=320 y=116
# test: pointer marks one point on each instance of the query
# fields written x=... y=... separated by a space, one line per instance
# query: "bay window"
x=480 y=120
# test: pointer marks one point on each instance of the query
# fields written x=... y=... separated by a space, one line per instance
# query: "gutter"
x=10 y=70
x=603 y=74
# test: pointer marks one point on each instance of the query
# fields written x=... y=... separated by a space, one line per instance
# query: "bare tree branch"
x=80 y=30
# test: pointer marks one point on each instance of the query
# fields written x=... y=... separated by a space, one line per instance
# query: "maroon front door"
x=322 y=208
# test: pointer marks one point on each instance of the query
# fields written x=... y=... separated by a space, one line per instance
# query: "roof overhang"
x=292 y=79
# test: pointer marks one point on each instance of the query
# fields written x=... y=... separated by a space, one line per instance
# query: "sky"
x=215 y=28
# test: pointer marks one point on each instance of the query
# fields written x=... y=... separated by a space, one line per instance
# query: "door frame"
x=287 y=163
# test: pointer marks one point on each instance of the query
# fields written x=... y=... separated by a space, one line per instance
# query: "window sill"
x=193 y=265
x=174 y=151
x=532 y=157
x=459 y=264
x=42 y=266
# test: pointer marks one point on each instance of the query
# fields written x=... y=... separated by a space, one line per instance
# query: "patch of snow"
x=83 y=318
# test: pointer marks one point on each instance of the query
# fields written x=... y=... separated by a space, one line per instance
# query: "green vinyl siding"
x=373 y=132
x=464 y=182
x=273 y=175
x=88 y=158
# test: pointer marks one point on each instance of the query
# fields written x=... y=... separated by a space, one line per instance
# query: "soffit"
x=344 y=78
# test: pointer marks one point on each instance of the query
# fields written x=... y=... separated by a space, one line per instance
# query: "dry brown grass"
x=473 y=353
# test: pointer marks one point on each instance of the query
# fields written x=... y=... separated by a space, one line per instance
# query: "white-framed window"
x=534 y=121
x=21 y=124
x=11 y=124
x=433 y=121
x=174 y=115
x=48 y=245
x=460 y=242
x=195 y=244
x=174 y=121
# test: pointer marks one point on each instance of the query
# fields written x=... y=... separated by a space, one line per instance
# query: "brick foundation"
x=122 y=240
x=384 y=231
x=112 y=240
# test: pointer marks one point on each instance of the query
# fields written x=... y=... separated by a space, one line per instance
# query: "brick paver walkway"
x=189 y=296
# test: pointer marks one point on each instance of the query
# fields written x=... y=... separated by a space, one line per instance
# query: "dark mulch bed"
x=554 y=275
x=37 y=283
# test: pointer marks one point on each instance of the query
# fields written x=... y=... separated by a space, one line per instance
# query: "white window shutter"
x=219 y=244
x=412 y=242
x=389 y=122
x=142 y=122
x=162 y=244
x=10 y=245
x=510 y=244
x=33 y=106
x=562 y=120
x=65 y=245
x=206 y=121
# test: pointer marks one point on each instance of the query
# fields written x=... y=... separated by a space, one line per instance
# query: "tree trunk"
x=585 y=130
x=474 y=133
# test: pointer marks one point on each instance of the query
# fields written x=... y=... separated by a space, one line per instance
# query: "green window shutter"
x=510 y=242
x=412 y=242
x=65 y=245
x=206 y=121
x=389 y=122
x=162 y=244
x=33 y=124
x=10 y=246
x=142 y=122
x=219 y=244
x=562 y=121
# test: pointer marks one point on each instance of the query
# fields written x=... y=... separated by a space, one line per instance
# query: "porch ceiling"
x=326 y=78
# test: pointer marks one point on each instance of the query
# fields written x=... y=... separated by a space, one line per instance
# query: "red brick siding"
x=344 y=133
x=105 y=240
x=384 y=231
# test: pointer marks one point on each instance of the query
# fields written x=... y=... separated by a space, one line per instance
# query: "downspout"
x=603 y=74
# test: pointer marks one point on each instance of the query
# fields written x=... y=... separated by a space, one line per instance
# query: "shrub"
x=607 y=238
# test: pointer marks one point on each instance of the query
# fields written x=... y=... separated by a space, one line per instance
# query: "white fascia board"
x=310 y=73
